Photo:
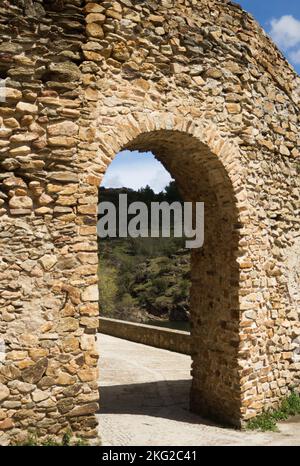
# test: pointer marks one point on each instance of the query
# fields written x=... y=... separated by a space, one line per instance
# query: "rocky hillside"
x=139 y=288
x=144 y=279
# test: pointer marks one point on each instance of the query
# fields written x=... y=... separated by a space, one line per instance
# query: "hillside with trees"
x=144 y=279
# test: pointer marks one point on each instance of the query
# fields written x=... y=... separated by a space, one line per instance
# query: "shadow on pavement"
x=166 y=399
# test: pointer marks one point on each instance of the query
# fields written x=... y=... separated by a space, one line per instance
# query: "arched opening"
x=214 y=298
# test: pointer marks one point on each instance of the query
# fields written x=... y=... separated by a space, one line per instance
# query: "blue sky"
x=136 y=170
x=281 y=20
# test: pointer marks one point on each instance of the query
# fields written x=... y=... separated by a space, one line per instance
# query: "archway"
x=202 y=177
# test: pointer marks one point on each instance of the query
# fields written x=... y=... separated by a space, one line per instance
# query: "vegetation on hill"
x=144 y=278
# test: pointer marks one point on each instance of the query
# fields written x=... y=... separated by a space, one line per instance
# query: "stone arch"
x=80 y=86
x=127 y=128
x=205 y=167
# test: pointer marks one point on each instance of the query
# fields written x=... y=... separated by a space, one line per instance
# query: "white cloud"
x=295 y=57
x=285 y=31
x=135 y=174
x=161 y=179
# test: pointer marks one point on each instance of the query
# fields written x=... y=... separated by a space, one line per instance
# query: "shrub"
x=267 y=421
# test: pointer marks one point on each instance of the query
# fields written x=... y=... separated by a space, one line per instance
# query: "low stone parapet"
x=165 y=338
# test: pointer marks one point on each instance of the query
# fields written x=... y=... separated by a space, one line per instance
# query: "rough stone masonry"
x=200 y=84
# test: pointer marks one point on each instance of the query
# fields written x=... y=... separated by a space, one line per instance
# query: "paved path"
x=144 y=401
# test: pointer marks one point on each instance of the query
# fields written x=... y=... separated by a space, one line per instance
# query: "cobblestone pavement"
x=144 y=401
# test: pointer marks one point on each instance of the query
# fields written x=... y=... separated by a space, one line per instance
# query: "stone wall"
x=200 y=84
x=151 y=335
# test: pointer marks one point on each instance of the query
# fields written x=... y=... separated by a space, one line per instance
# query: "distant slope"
x=144 y=278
